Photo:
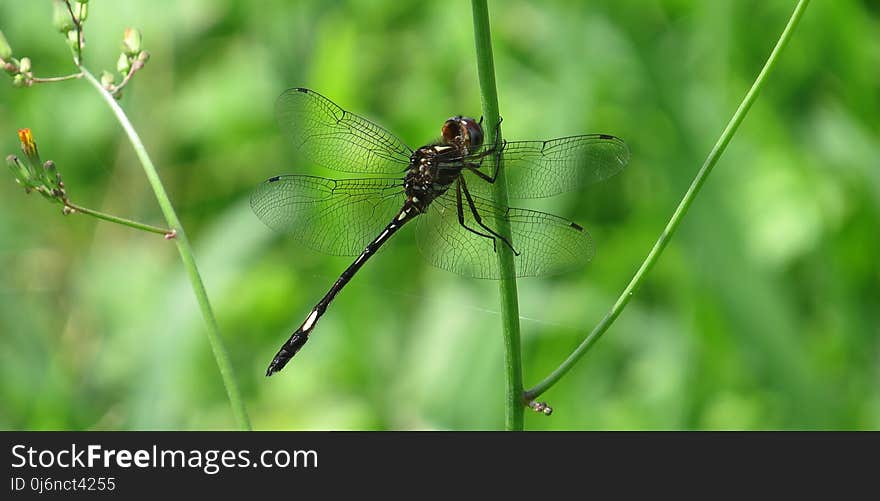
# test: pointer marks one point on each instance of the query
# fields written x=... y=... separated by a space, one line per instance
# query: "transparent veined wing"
x=338 y=139
x=537 y=169
x=335 y=216
x=547 y=244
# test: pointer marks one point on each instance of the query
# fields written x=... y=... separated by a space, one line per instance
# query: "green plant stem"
x=56 y=79
x=78 y=48
x=119 y=220
x=679 y=213
x=186 y=255
x=507 y=286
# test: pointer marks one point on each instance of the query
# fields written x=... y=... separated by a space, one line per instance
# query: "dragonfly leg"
x=496 y=149
x=479 y=219
x=475 y=168
x=460 y=208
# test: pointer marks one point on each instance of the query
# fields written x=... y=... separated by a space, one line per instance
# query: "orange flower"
x=28 y=145
x=31 y=155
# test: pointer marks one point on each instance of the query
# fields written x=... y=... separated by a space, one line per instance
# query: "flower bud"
x=138 y=62
x=22 y=176
x=24 y=65
x=107 y=79
x=73 y=39
x=131 y=41
x=53 y=179
x=5 y=49
x=18 y=81
x=61 y=17
x=29 y=146
x=123 y=65
x=81 y=11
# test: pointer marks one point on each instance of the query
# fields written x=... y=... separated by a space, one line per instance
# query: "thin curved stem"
x=186 y=255
x=679 y=213
x=168 y=233
x=56 y=79
x=507 y=286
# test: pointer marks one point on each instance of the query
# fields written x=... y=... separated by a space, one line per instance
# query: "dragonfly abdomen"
x=298 y=339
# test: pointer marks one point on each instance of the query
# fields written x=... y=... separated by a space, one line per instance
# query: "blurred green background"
x=764 y=312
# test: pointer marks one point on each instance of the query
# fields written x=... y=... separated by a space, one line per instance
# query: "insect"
x=444 y=186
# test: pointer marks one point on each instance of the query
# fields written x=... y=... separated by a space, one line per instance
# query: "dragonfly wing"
x=547 y=244
x=537 y=169
x=337 y=217
x=336 y=138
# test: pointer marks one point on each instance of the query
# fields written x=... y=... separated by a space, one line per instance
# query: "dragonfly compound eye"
x=463 y=131
x=451 y=131
x=473 y=132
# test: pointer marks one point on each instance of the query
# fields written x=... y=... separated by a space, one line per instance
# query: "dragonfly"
x=445 y=186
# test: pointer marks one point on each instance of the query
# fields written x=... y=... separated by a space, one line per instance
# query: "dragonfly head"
x=464 y=132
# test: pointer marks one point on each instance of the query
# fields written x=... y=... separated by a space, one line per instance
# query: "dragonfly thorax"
x=432 y=170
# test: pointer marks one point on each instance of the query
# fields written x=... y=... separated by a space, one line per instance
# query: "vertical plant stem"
x=680 y=211
x=514 y=405
x=186 y=255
